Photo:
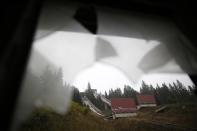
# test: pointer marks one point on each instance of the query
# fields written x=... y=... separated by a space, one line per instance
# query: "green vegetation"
x=43 y=119
x=96 y=101
x=180 y=114
x=164 y=94
x=51 y=82
x=79 y=118
x=181 y=108
x=76 y=96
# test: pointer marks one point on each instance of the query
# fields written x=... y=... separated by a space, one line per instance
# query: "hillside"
x=77 y=119
x=176 y=117
x=179 y=114
x=80 y=118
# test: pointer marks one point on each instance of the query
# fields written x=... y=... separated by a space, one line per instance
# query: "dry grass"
x=179 y=114
x=77 y=119
x=81 y=119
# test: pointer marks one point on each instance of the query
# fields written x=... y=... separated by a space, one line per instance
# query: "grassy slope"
x=77 y=119
x=81 y=119
x=183 y=115
x=180 y=114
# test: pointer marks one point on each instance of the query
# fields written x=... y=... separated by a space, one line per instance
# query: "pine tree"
x=76 y=95
x=106 y=96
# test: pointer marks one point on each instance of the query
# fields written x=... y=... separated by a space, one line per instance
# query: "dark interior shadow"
x=183 y=53
x=120 y=24
x=87 y=17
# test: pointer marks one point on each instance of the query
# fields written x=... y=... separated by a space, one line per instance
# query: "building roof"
x=146 y=99
x=123 y=105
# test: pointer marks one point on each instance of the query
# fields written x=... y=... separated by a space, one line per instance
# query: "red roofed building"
x=146 y=101
x=123 y=107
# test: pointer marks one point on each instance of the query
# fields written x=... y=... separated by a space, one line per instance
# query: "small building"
x=123 y=107
x=146 y=101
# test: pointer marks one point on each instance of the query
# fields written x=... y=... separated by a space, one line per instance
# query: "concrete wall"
x=146 y=105
x=124 y=115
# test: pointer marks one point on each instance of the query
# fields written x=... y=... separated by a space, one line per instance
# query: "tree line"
x=164 y=94
x=50 y=81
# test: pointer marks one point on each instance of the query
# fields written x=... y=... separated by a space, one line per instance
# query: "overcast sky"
x=75 y=53
x=128 y=47
x=104 y=77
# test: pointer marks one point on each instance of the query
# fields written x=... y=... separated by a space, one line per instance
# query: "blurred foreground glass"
x=129 y=53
